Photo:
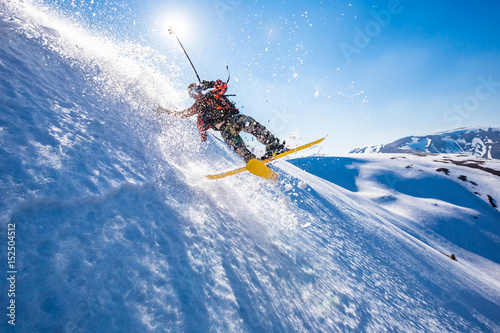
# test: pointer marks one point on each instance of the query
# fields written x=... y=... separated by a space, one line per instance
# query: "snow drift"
x=118 y=231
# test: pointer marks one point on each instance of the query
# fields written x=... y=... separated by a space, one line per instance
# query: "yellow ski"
x=260 y=169
x=257 y=167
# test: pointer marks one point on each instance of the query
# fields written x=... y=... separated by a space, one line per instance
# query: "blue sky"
x=364 y=72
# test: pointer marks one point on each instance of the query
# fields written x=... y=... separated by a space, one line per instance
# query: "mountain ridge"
x=475 y=141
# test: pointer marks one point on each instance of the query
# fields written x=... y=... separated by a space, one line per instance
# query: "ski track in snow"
x=118 y=231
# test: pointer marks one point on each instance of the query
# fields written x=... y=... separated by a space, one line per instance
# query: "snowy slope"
x=451 y=198
x=475 y=141
x=118 y=231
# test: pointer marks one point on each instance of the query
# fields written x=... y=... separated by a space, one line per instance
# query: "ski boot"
x=274 y=148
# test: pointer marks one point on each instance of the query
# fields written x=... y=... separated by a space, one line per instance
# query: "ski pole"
x=172 y=32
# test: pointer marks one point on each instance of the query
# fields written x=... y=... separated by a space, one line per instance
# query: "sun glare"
x=176 y=24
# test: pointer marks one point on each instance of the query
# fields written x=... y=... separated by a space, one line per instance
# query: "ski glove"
x=161 y=110
x=206 y=84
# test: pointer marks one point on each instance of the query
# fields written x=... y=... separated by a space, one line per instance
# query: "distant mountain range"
x=476 y=141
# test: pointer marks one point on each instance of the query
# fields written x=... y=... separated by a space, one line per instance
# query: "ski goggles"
x=195 y=91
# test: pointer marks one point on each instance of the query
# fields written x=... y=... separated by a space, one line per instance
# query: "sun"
x=176 y=24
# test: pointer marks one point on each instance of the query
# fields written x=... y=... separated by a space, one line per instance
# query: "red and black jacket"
x=214 y=108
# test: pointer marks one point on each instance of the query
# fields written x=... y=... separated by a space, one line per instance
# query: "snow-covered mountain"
x=477 y=141
x=107 y=223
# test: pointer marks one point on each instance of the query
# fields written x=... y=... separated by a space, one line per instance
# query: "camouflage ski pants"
x=230 y=132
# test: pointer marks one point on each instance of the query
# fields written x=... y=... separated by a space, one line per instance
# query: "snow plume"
x=117 y=230
x=124 y=71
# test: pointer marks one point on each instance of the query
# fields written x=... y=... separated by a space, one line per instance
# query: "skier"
x=214 y=110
